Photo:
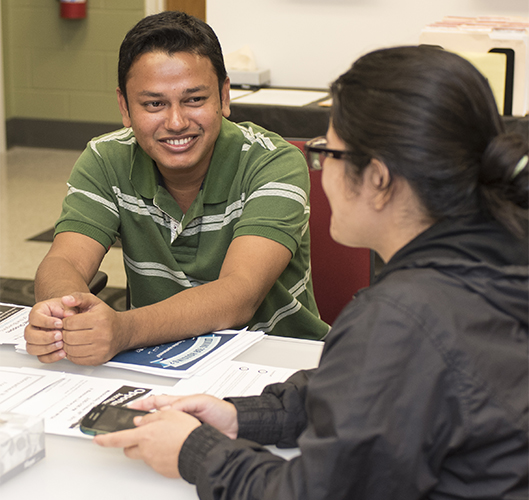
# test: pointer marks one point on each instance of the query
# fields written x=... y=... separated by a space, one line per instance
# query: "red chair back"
x=338 y=272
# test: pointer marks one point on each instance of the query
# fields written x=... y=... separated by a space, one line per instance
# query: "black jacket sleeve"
x=278 y=416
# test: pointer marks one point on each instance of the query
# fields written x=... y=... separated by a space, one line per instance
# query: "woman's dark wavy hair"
x=430 y=116
x=170 y=32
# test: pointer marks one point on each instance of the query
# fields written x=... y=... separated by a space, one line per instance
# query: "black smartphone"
x=102 y=419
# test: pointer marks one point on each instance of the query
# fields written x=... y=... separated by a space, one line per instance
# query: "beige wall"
x=59 y=69
x=309 y=43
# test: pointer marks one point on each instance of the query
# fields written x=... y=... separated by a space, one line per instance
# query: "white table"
x=77 y=469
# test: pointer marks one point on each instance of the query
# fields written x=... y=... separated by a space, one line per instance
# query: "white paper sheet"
x=238 y=93
x=68 y=397
x=13 y=321
x=233 y=378
x=18 y=386
x=282 y=97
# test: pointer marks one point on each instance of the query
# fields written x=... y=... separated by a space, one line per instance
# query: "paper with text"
x=13 y=321
x=233 y=378
x=64 y=398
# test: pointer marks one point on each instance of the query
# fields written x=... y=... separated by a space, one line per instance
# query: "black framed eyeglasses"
x=316 y=151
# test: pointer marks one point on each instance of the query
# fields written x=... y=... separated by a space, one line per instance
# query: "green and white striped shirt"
x=257 y=184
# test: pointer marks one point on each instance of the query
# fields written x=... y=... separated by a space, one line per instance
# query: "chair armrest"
x=98 y=282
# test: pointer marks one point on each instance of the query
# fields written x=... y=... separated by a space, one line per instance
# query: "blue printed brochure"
x=183 y=358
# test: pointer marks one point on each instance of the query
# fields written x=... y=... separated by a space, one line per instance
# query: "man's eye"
x=196 y=100
x=153 y=104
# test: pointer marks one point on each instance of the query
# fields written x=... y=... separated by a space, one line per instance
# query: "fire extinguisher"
x=73 y=9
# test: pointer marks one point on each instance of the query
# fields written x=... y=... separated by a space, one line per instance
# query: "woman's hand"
x=157 y=439
x=208 y=409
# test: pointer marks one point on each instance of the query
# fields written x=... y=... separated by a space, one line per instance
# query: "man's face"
x=175 y=110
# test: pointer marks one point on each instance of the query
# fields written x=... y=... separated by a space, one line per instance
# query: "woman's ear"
x=380 y=182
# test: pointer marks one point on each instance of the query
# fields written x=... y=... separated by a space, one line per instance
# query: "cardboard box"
x=483 y=34
x=21 y=443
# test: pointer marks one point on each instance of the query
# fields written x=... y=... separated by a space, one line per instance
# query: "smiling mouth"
x=179 y=142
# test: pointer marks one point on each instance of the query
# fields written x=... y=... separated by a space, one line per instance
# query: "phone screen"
x=105 y=418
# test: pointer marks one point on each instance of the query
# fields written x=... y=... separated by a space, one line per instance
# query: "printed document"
x=13 y=320
x=282 y=97
x=64 y=398
x=233 y=378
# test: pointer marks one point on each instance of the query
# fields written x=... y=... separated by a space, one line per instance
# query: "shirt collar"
x=224 y=164
x=144 y=175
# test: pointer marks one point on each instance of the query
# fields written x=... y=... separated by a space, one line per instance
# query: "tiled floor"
x=32 y=186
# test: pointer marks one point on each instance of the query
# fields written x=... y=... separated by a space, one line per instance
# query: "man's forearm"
x=210 y=307
x=251 y=267
x=56 y=277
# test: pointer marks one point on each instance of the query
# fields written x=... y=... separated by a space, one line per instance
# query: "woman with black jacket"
x=422 y=388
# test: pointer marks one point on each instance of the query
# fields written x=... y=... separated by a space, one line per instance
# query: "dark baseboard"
x=57 y=134
x=62 y=134
x=22 y=292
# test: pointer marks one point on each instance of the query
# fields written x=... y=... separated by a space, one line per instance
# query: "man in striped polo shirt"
x=212 y=215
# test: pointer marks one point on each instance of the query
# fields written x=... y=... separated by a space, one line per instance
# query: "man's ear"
x=123 y=108
x=225 y=98
x=380 y=182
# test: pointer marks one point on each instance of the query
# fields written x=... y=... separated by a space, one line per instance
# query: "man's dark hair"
x=170 y=32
